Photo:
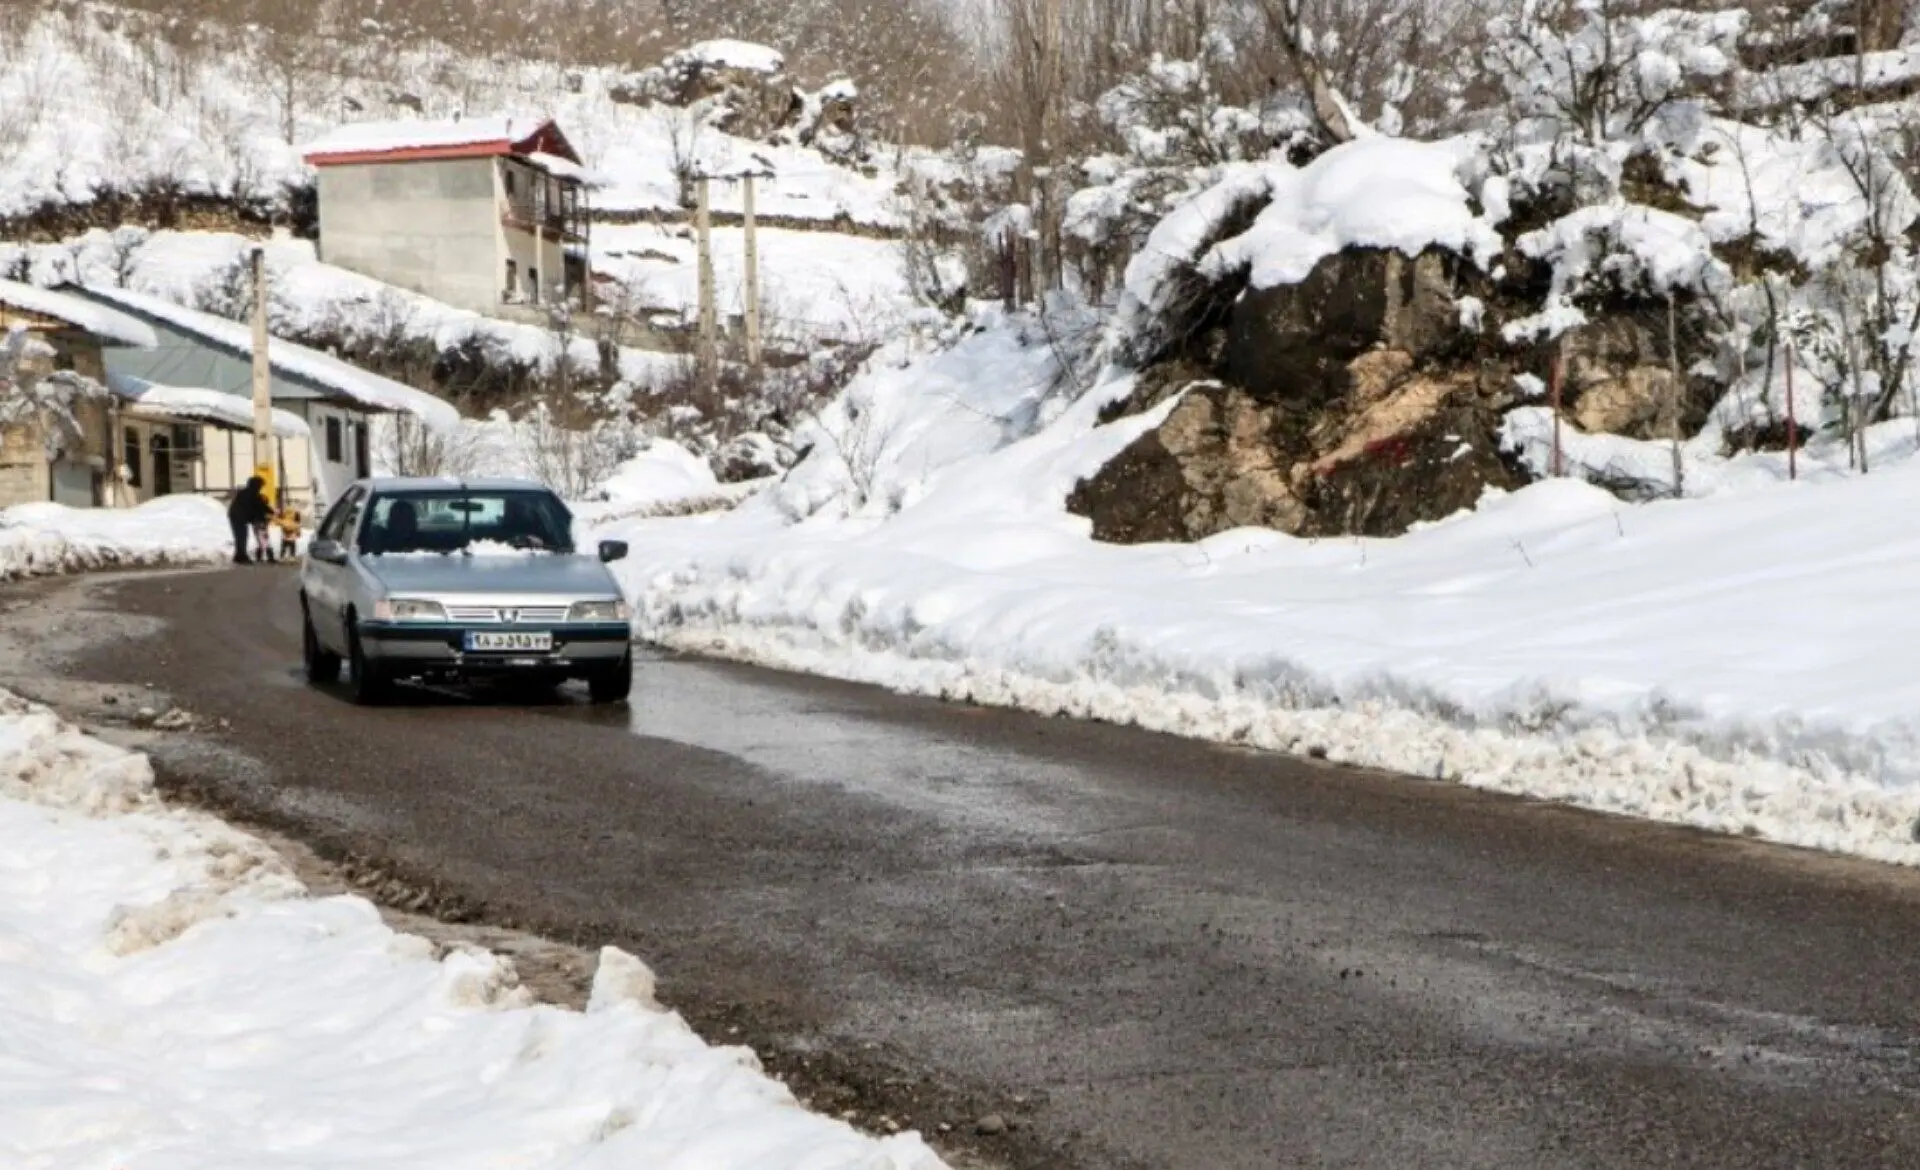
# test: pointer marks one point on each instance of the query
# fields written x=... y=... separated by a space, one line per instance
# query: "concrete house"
x=201 y=369
x=486 y=214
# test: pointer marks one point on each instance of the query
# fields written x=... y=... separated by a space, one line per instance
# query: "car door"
x=327 y=584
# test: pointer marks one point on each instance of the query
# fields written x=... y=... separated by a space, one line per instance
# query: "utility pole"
x=262 y=383
x=752 y=307
x=709 y=317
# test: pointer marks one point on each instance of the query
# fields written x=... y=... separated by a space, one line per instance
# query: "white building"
x=201 y=371
x=486 y=214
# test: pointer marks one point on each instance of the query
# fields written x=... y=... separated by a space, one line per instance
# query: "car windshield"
x=466 y=521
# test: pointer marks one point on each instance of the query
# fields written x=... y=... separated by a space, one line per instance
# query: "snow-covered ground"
x=813 y=285
x=91 y=103
x=43 y=539
x=311 y=299
x=171 y=996
x=1738 y=663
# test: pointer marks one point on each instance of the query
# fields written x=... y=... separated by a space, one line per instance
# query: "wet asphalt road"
x=1145 y=951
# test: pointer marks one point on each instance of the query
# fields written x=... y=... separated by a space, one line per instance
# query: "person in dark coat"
x=248 y=509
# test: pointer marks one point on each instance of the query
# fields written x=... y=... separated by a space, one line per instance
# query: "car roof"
x=397 y=483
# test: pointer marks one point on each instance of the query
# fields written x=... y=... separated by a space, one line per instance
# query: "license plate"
x=540 y=642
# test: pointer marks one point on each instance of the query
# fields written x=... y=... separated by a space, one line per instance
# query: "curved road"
x=1137 y=951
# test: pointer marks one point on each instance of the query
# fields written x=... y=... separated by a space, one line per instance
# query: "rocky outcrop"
x=1350 y=402
x=1398 y=446
x=1621 y=379
x=744 y=90
x=1296 y=342
x=1211 y=466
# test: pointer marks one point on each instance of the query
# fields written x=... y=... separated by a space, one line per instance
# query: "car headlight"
x=599 y=611
x=403 y=609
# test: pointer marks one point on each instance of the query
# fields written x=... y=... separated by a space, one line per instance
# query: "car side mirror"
x=612 y=550
x=330 y=551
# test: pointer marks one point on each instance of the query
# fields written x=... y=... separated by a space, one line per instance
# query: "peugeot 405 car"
x=461 y=580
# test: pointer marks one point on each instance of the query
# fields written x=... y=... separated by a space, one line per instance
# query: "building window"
x=336 y=449
x=513 y=278
x=132 y=456
x=507 y=176
x=362 y=455
x=533 y=285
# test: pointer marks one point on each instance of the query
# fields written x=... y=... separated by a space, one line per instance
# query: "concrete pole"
x=752 y=277
x=262 y=378
x=709 y=315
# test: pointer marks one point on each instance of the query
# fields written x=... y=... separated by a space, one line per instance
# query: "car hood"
x=574 y=576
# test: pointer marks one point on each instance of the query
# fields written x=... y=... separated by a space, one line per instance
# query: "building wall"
x=182 y=360
x=339 y=439
x=432 y=227
x=23 y=467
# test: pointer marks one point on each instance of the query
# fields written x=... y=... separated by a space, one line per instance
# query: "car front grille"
x=512 y=614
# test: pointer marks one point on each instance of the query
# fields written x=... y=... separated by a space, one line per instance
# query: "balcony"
x=564 y=219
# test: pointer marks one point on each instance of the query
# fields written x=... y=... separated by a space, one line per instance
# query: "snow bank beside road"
x=169 y=996
x=1738 y=663
x=45 y=539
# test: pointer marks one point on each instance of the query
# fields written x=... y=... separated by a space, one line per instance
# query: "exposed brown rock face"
x=1401 y=447
x=1294 y=342
x=1211 y=466
x=1346 y=403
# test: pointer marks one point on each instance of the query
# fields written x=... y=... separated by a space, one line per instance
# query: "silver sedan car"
x=461 y=580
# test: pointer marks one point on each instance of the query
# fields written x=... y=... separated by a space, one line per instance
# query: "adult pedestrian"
x=247 y=510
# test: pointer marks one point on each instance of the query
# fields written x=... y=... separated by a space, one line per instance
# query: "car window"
x=339 y=520
x=453 y=520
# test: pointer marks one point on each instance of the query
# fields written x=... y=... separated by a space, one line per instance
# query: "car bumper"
x=441 y=648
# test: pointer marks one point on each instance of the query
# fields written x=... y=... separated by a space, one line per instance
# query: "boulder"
x=1211 y=466
x=1295 y=342
x=746 y=85
x=1404 y=444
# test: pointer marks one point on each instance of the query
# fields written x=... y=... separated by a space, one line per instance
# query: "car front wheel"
x=366 y=679
x=323 y=666
x=614 y=684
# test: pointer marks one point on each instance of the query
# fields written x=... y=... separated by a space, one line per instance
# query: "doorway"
x=162 y=466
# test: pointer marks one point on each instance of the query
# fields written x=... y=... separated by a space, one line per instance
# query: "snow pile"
x=1615 y=246
x=664 y=473
x=1670 y=660
x=135 y=933
x=1376 y=192
x=43 y=539
x=731 y=54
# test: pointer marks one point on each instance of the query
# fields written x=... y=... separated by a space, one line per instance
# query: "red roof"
x=366 y=142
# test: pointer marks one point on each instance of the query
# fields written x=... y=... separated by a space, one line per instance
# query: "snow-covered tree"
x=33 y=394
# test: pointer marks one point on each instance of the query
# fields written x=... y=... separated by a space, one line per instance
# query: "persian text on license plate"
x=540 y=642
